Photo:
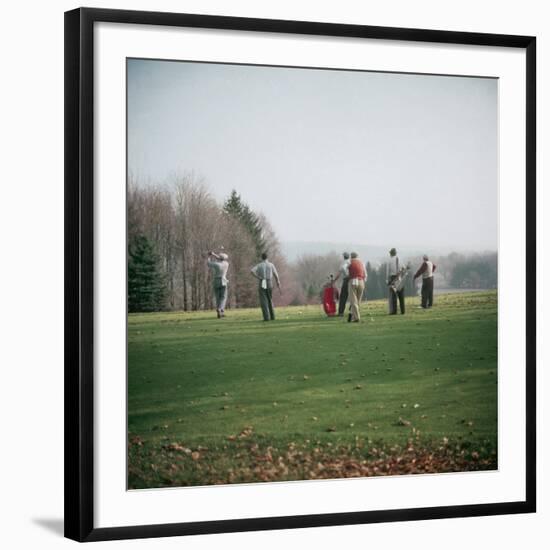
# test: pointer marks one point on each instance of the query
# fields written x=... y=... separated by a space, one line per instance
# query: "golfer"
x=356 y=286
x=427 y=271
x=265 y=272
x=218 y=264
x=344 y=273
x=395 y=292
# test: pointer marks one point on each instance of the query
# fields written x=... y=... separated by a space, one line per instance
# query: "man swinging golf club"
x=218 y=264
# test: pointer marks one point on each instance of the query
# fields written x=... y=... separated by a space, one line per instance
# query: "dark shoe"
x=349 y=317
x=218 y=313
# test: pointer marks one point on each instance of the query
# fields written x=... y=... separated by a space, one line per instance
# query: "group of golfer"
x=352 y=273
x=354 y=277
x=265 y=272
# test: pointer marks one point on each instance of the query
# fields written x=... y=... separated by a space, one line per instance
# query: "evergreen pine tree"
x=235 y=207
x=370 y=287
x=410 y=285
x=146 y=286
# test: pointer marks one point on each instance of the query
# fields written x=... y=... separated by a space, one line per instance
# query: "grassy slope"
x=198 y=380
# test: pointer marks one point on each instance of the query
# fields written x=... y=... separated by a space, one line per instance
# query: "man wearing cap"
x=219 y=265
x=265 y=272
x=356 y=286
x=393 y=269
x=427 y=271
x=344 y=273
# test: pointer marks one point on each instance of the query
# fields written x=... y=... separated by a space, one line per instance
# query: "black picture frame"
x=79 y=266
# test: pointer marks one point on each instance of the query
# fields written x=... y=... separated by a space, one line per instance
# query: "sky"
x=329 y=156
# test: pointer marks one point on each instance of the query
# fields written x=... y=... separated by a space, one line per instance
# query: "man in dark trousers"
x=395 y=292
x=344 y=273
x=265 y=272
x=427 y=271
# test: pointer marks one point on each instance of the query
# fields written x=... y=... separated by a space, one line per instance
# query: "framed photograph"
x=300 y=274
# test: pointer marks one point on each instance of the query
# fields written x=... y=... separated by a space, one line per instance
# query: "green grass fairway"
x=306 y=396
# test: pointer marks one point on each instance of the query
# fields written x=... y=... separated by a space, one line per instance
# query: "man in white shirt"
x=344 y=273
x=427 y=271
x=265 y=272
x=219 y=265
x=395 y=292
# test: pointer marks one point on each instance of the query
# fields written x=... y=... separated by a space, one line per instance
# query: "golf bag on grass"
x=330 y=298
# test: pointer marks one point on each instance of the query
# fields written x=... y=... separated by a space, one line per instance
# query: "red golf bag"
x=330 y=298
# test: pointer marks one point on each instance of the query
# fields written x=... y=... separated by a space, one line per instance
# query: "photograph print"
x=312 y=274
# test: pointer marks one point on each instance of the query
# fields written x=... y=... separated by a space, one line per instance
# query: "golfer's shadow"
x=54 y=525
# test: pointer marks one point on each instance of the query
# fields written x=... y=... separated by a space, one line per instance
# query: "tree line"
x=454 y=271
x=470 y=270
x=171 y=228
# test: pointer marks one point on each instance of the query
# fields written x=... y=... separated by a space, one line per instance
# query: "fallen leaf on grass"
x=246 y=432
x=179 y=448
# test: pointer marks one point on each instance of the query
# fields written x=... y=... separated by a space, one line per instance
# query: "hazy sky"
x=351 y=157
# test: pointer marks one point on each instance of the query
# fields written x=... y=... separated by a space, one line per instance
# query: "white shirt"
x=219 y=270
x=344 y=269
x=429 y=270
x=266 y=270
x=392 y=267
